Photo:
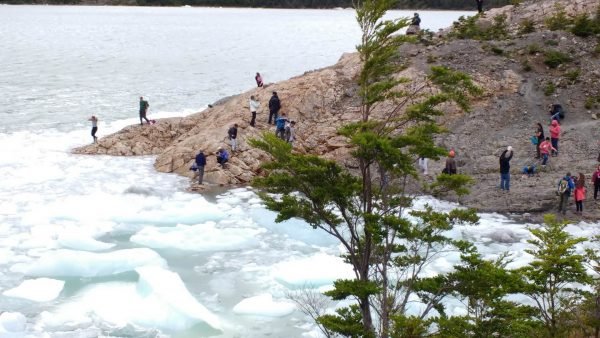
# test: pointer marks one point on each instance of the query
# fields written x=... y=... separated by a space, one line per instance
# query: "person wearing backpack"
x=554 y=136
x=564 y=189
x=505 y=158
x=280 y=126
x=232 y=134
x=580 y=193
x=596 y=182
x=539 y=134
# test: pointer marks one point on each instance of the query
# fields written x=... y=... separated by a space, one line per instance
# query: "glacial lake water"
x=104 y=246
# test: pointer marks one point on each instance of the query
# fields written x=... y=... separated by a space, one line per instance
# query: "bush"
x=526 y=26
x=467 y=28
x=526 y=66
x=573 y=75
x=596 y=50
x=555 y=58
x=497 y=50
x=558 y=21
x=590 y=102
x=549 y=89
x=584 y=26
x=533 y=49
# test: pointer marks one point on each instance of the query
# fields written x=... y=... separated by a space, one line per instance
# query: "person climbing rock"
x=528 y=171
x=200 y=163
x=254 y=106
x=222 y=157
x=479 y=6
x=554 y=136
x=274 y=106
x=259 y=80
x=450 y=167
x=232 y=134
x=545 y=149
x=539 y=133
x=596 y=182
x=505 y=158
x=280 y=126
x=564 y=189
x=144 y=110
x=580 y=192
x=94 y=120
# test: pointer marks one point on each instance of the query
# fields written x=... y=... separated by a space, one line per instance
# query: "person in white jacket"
x=254 y=105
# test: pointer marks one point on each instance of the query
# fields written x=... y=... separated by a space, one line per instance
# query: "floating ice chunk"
x=201 y=237
x=82 y=242
x=12 y=322
x=264 y=305
x=37 y=290
x=314 y=271
x=89 y=264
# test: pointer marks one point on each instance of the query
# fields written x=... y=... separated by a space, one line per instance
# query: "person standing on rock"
x=274 y=106
x=232 y=133
x=280 y=126
x=450 y=168
x=554 y=136
x=94 y=121
x=200 y=163
x=564 y=189
x=259 y=80
x=254 y=106
x=143 y=110
x=580 y=193
x=479 y=6
x=222 y=157
x=539 y=133
x=545 y=149
x=505 y=158
x=596 y=182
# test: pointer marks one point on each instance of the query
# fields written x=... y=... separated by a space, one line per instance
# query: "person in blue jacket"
x=222 y=157
x=564 y=190
x=200 y=163
x=280 y=126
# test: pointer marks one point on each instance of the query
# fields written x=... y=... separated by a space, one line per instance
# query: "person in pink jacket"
x=545 y=149
x=580 y=193
x=554 y=136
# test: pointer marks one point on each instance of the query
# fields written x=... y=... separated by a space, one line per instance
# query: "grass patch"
x=549 y=89
x=526 y=66
x=554 y=58
x=533 y=49
x=559 y=20
x=526 y=26
x=572 y=75
x=468 y=28
x=497 y=50
x=590 y=102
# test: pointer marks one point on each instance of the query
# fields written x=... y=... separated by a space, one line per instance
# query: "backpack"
x=563 y=186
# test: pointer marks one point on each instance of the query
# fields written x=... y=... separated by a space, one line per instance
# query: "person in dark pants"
x=274 y=106
x=554 y=136
x=479 y=6
x=505 y=168
x=94 y=120
x=596 y=181
x=259 y=80
x=280 y=126
x=565 y=187
x=200 y=163
x=143 y=110
x=222 y=157
x=539 y=133
x=232 y=134
x=450 y=167
x=254 y=106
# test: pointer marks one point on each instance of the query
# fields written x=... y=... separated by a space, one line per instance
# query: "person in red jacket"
x=596 y=181
x=554 y=136
x=580 y=193
x=545 y=149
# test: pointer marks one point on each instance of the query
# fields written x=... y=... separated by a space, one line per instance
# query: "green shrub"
x=526 y=26
x=533 y=49
x=526 y=66
x=467 y=28
x=596 y=50
x=584 y=26
x=549 y=89
x=497 y=50
x=558 y=21
x=590 y=102
x=555 y=58
x=431 y=58
x=551 y=42
x=573 y=75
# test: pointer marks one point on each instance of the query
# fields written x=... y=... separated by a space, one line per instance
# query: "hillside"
x=521 y=73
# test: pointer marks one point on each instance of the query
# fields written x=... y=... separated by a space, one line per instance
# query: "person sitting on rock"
x=222 y=157
x=280 y=126
x=414 y=26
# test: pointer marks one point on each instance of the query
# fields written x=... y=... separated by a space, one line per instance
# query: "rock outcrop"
x=511 y=72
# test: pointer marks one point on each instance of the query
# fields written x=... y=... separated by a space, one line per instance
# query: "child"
x=580 y=193
x=94 y=120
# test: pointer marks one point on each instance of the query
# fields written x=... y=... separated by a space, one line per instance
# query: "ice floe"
x=264 y=305
x=37 y=290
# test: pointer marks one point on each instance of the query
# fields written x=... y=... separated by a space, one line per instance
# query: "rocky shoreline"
x=323 y=100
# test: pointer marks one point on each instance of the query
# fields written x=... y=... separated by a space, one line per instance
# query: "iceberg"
x=82 y=242
x=263 y=305
x=312 y=272
x=37 y=290
x=74 y=263
x=12 y=323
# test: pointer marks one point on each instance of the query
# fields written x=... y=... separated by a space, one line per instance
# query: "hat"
x=509 y=148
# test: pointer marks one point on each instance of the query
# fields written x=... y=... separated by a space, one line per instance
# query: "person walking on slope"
x=580 y=193
x=596 y=182
x=479 y=6
x=259 y=80
x=554 y=136
x=232 y=134
x=290 y=133
x=545 y=149
x=222 y=157
x=254 y=105
x=505 y=158
x=94 y=120
x=143 y=110
x=200 y=163
x=539 y=133
x=280 y=126
x=274 y=106
x=564 y=189
x=450 y=168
